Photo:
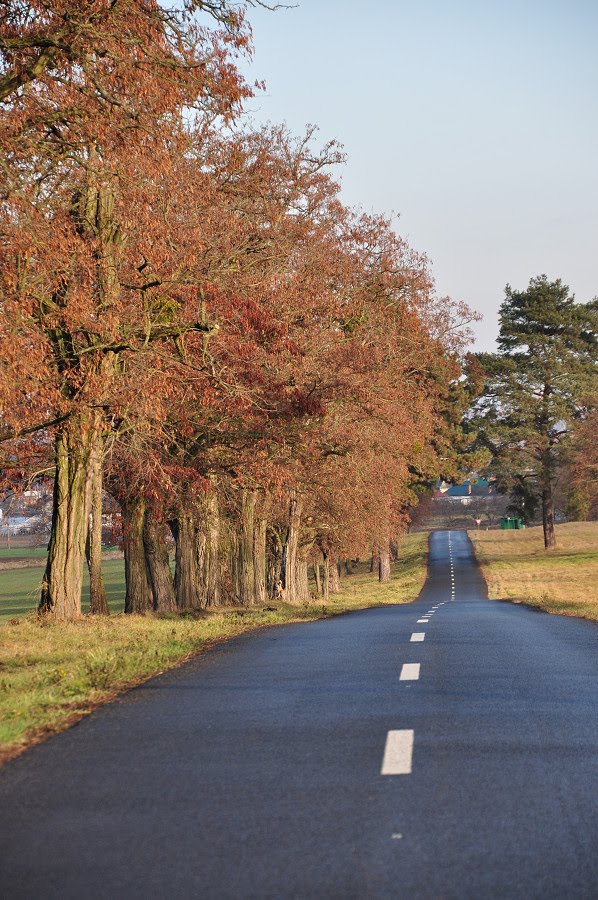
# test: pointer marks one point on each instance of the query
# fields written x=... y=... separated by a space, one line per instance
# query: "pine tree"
x=545 y=365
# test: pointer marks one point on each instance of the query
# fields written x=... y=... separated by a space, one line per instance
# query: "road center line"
x=409 y=672
x=417 y=636
x=398 y=753
x=421 y=621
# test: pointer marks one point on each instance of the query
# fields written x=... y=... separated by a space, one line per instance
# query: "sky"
x=474 y=122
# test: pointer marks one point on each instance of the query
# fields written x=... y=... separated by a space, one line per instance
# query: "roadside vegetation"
x=563 y=581
x=52 y=673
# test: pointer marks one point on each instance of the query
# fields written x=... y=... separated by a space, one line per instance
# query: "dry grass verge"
x=51 y=675
x=563 y=580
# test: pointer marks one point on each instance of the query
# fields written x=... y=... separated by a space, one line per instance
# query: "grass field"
x=52 y=674
x=563 y=581
x=20 y=588
x=23 y=553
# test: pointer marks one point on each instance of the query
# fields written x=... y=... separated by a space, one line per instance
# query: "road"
x=335 y=759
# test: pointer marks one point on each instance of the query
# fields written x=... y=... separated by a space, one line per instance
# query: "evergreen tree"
x=545 y=365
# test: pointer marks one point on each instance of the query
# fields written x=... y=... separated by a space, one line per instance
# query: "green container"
x=511 y=522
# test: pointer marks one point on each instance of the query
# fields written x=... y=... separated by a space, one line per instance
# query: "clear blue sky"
x=475 y=122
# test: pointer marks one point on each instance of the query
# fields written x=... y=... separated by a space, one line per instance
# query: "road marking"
x=409 y=672
x=417 y=636
x=398 y=753
x=421 y=621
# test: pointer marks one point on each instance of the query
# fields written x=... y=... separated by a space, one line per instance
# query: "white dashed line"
x=409 y=672
x=398 y=753
x=417 y=636
x=421 y=621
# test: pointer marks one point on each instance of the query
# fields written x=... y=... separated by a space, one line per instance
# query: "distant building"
x=478 y=487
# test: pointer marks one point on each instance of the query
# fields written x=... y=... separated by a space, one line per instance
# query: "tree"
x=545 y=364
x=93 y=113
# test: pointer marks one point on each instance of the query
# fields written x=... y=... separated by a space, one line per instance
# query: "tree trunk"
x=334 y=578
x=189 y=562
x=158 y=564
x=138 y=592
x=384 y=564
x=318 y=579
x=211 y=579
x=326 y=578
x=301 y=579
x=374 y=562
x=348 y=567
x=259 y=560
x=245 y=572
x=548 y=518
x=61 y=586
x=274 y=563
x=289 y=579
x=98 y=605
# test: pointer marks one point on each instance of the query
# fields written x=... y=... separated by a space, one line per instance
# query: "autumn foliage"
x=193 y=321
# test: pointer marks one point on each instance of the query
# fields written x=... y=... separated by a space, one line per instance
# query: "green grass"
x=51 y=674
x=563 y=580
x=23 y=552
x=20 y=589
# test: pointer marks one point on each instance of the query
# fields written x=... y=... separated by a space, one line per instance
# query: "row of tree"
x=192 y=320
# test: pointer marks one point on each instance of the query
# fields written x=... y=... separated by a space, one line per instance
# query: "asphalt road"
x=264 y=768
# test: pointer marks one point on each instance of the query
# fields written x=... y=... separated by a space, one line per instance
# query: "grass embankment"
x=564 y=580
x=52 y=674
